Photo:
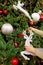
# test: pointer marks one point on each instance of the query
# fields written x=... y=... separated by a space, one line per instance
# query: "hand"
x=39 y=32
x=30 y=49
x=31 y=28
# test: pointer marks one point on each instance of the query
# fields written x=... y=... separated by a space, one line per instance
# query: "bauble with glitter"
x=35 y=17
x=7 y=28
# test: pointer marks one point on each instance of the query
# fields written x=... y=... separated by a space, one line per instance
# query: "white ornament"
x=19 y=6
x=35 y=17
x=7 y=28
x=27 y=43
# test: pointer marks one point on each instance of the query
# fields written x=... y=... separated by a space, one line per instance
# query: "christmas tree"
x=12 y=44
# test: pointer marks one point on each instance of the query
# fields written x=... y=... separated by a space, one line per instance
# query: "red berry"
x=31 y=23
x=41 y=17
x=0 y=12
x=20 y=35
x=5 y=12
x=15 y=44
x=15 y=61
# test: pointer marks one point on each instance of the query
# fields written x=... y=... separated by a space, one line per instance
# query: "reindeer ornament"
x=27 y=43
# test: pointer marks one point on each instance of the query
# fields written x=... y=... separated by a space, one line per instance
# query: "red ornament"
x=31 y=23
x=20 y=35
x=5 y=12
x=0 y=12
x=42 y=3
x=41 y=61
x=15 y=61
x=4 y=1
x=41 y=17
x=42 y=13
x=15 y=44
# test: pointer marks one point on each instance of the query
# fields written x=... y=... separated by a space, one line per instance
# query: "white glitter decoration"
x=19 y=6
x=27 y=43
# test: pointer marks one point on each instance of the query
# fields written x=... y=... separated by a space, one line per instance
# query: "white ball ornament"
x=35 y=17
x=7 y=28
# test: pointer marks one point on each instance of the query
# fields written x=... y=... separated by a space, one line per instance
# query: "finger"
x=27 y=47
x=31 y=45
x=30 y=28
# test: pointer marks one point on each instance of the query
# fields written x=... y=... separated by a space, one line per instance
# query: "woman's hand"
x=30 y=49
x=39 y=32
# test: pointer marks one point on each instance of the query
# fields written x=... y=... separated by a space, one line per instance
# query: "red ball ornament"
x=5 y=12
x=15 y=44
x=42 y=3
x=41 y=61
x=42 y=13
x=0 y=12
x=4 y=0
x=41 y=17
x=15 y=61
x=20 y=35
x=31 y=23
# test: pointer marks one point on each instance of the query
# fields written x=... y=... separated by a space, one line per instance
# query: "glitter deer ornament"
x=27 y=43
x=19 y=6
